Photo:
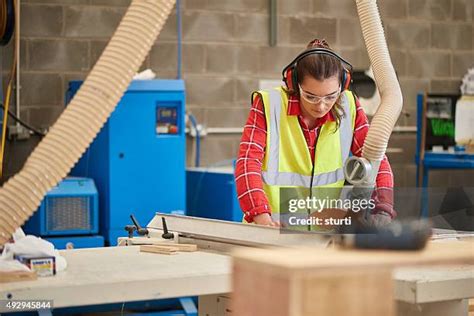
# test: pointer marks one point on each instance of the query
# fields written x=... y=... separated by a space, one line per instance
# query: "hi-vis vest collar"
x=273 y=176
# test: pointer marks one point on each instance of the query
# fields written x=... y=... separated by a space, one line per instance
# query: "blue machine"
x=211 y=193
x=138 y=159
x=69 y=209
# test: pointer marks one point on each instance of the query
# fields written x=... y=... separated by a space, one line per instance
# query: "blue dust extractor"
x=69 y=213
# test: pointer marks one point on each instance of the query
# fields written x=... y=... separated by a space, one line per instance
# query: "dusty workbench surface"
x=123 y=274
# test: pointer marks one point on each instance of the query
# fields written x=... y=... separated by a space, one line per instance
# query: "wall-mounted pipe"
x=18 y=60
x=88 y=111
x=179 y=31
x=273 y=22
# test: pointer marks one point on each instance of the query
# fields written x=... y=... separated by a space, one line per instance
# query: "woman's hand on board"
x=266 y=220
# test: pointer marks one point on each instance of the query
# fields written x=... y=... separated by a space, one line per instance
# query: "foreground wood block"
x=336 y=282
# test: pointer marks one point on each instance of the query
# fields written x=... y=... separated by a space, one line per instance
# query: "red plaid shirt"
x=252 y=198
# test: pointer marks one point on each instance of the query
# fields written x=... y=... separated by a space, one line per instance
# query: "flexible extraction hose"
x=386 y=80
x=88 y=111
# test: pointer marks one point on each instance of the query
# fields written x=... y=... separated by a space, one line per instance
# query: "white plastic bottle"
x=464 y=123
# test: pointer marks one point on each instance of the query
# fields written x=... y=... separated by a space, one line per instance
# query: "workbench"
x=123 y=274
x=435 y=291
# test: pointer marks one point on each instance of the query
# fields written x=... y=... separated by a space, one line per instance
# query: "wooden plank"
x=158 y=242
x=136 y=241
x=16 y=276
x=234 y=233
x=445 y=252
x=165 y=250
x=181 y=247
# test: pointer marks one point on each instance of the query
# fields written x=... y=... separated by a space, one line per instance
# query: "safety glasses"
x=314 y=99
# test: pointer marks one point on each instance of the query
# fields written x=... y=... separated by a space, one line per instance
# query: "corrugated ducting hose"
x=390 y=93
x=82 y=120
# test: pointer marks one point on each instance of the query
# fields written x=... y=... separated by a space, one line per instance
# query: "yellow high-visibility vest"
x=287 y=161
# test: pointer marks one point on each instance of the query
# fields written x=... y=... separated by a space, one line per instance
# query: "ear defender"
x=288 y=78
x=346 y=80
x=289 y=73
x=294 y=78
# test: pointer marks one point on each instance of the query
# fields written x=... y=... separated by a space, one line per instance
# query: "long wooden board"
x=445 y=252
x=158 y=242
x=234 y=233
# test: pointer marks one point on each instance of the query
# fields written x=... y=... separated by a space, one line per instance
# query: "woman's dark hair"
x=320 y=67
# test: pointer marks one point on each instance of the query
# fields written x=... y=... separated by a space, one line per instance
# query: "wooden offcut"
x=165 y=250
x=336 y=282
x=181 y=247
x=16 y=276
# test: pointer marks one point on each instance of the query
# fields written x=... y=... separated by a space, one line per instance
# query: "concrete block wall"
x=226 y=52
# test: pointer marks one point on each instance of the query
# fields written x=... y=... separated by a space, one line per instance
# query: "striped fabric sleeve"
x=248 y=169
